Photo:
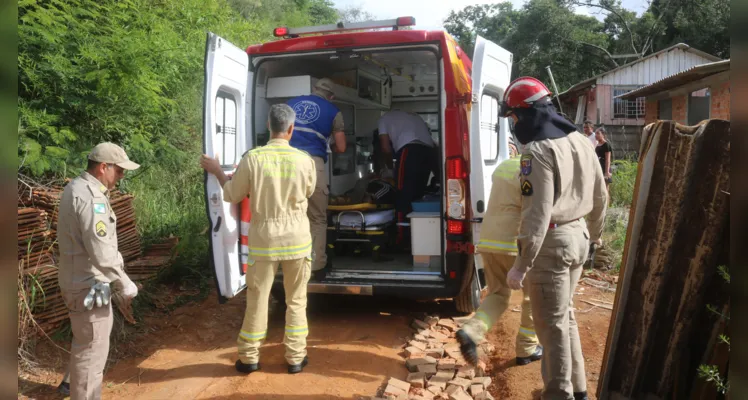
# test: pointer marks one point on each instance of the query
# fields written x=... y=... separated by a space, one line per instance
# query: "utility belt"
x=554 y=225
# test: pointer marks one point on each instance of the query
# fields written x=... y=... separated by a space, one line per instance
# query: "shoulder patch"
x=526 y=165
x=100 y=229
x=526 y=188
x=99 y=208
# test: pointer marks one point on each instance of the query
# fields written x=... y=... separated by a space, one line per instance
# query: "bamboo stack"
x=34 y=238
x=153 y=260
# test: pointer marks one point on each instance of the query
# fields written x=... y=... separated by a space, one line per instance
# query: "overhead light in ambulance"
x=406 y=21
x=280 y=31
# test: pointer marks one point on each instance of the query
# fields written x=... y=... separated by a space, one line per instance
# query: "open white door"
x=224 y=135
x=489 y=134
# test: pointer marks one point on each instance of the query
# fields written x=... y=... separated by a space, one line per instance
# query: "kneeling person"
x=280 y=180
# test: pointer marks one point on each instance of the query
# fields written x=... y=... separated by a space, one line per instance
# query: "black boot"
x=321 y=274
x=246 y=368
x=295 y=369
x=537 y=355
x=64 y=388
x=467 y=347
x=580 y=395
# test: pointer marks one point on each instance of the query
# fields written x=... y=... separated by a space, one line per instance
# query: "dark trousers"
x=413 y=165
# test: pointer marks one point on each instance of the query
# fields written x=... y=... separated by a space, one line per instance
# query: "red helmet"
x=522 y=93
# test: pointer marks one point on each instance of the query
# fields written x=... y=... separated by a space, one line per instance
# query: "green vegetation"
x=622 y=185
x=131 y=72
x=711 y=373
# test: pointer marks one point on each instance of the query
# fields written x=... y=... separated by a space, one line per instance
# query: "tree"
x=703 y=24
x=354 y=14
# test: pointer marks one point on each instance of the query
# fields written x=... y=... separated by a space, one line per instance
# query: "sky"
x=430 y=14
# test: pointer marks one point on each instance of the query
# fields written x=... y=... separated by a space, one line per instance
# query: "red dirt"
x=354 y=347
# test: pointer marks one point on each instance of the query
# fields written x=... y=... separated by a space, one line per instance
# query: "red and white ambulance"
x=376 y=66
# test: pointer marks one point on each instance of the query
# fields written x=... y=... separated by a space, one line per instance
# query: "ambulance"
x=376 y=66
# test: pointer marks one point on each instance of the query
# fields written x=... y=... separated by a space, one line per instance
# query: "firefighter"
x=409 y=138
x=90 y=266
x=279 y=180
x=561 y=184
x=498 y=249
x=318 y=122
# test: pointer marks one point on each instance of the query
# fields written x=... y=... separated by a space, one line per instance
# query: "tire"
x=469 y=298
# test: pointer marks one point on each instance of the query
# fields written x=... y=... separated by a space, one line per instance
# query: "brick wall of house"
x=680 y=108
x=720 y=108
x=651 y=111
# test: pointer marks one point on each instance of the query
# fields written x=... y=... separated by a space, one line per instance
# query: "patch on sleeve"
x=99 y=208
x=100 y=229
x=526 y=188
x=526 y=165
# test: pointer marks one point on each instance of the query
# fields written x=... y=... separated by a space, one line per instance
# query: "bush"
x=622 y=186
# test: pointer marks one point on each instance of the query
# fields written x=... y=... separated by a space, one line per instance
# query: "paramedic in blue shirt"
x=409 y=138
x=318 y=123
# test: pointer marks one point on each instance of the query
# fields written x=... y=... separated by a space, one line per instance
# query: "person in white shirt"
x=407 y=136
x=589 y=131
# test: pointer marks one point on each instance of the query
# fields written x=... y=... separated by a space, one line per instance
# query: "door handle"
x=218 y=225
x=477 y=219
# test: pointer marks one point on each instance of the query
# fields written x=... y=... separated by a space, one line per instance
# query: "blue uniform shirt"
x=313 y=126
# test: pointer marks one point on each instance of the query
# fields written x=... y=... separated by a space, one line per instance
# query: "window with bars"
x=631 y=109
x=225 y=140
x=489 y=128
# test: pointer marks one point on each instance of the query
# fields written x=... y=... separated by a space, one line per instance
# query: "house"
x=688 y=97
x=598 y=98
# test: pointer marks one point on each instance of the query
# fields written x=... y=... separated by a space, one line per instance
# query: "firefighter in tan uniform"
x=560 y=187
x=89 y=263
x=498 y=248
x=279 y=181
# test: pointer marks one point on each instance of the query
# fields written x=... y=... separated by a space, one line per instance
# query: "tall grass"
x=622 y=186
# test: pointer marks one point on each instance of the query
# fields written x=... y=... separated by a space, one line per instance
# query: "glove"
x=129 y=289
x=515 y=277
x=99 y=294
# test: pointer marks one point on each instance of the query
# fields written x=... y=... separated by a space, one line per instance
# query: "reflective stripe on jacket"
x=279 y=180
x=500 y=225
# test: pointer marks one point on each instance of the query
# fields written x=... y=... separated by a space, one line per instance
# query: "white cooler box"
x=425 y=237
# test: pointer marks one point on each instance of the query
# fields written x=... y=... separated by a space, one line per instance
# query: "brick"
x=446 y=363
x=419 y=345
x=441 y=378
x=452 y=346
x=451 y=389
x=480 y=369
x=439 y=336
x=421 y=394
x=460 y=395
x=418 y=324
x=484 y=381
x=416 y=379
x=448 y=324
x=484 y=396
x=435 y=352
x=413 y=362
x=404 y=386
x=476 y=390
x=428 y=369
x=432 y=321
x=461 y=382
x=412 y=351
x=394 y=391
x=467 y=372
x=488 y=348
x=436 y=390
x=420 y=338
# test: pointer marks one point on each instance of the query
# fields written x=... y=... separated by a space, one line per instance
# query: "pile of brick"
x=436 y=367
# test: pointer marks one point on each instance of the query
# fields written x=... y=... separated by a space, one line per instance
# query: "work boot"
x=64 y=388
x=580 y=395
x=537 y=355
x=295 y=369
x=246 y=368
x=467 y=347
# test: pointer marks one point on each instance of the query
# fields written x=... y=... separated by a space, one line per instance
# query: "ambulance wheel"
x=469 y=299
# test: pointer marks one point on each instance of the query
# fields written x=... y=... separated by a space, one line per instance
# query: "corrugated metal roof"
x=690 y=75
x=589 y=82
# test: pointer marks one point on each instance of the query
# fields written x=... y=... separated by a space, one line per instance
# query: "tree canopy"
x=549 y=33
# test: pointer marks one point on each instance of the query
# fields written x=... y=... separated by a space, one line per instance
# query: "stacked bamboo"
x=37 y=246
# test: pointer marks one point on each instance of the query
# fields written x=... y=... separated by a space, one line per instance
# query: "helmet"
x=522 y=93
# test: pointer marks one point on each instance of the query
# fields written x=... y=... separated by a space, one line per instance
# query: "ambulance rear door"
x=489 y=134
x=225 y=111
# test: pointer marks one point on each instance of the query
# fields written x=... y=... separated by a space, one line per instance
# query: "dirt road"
x=354 y=347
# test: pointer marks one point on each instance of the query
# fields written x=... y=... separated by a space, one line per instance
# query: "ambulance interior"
x=367 y=84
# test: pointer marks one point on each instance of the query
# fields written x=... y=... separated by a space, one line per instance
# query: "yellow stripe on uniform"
x=483 y=317
x=280 y=251
x=526 y=332
x=252 y=336
x=497 y=245
x=296 y=330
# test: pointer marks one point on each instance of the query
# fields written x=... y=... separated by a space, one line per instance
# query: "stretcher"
x=361 y=229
